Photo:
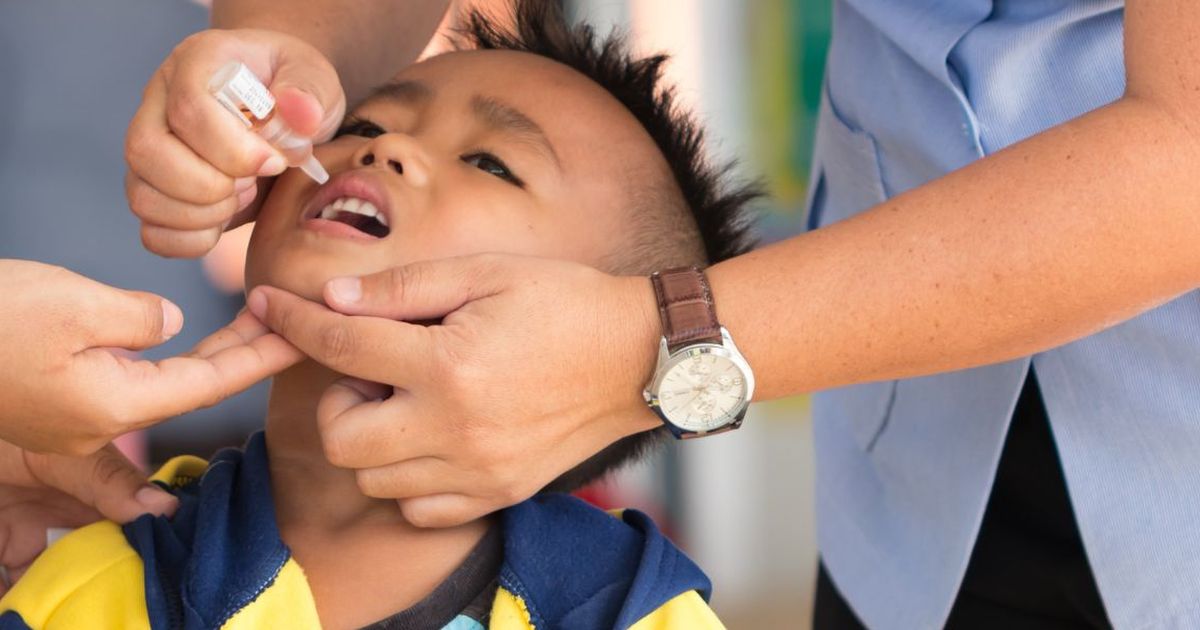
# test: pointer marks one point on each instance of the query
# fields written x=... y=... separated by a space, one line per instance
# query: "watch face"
x=702 y=391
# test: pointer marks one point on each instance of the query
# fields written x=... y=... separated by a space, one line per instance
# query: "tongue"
x=362 y=223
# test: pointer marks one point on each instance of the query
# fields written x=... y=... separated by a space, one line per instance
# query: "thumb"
x=309 y=97
x=104 y=480
x=132 y=319
x=420 y=291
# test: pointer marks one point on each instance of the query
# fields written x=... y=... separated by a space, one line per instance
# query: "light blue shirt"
x=915 y=89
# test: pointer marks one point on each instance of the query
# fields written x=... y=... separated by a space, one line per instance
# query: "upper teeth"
x=355 y=205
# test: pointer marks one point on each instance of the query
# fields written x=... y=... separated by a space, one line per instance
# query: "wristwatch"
x=702 y=384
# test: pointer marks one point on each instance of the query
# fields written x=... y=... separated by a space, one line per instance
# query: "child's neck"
x=300 y=473
x=362 y=559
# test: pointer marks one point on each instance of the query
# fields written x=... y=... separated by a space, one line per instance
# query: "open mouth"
x=357 y=213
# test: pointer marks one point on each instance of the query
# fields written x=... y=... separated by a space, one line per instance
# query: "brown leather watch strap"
x=685 y=304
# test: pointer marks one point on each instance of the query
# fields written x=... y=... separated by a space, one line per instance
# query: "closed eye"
x=491 y=164
x=359 y=127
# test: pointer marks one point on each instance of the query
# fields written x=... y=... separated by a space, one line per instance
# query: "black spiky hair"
x=719 y=208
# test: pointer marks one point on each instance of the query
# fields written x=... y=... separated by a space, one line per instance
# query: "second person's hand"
x=66 y=390
x=40 y=491
x=193 y=167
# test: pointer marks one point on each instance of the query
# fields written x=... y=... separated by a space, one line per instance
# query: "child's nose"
x=397 y=153
x=369 y=159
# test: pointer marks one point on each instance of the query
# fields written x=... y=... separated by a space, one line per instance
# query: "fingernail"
x=257 y=303
x=155 y=499
x=273 y=166
x=242 y=184
x=172 y=319
x=346 y=290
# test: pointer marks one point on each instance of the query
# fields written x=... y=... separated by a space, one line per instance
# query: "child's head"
x=542 y=141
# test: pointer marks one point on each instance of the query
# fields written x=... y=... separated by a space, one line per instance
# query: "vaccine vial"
x=239 y=91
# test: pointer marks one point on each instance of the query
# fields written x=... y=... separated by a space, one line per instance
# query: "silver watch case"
x=667 y=360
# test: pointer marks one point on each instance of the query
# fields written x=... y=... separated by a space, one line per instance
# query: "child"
x=537 y=142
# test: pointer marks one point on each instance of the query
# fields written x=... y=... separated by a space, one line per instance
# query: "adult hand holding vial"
x=194 y=168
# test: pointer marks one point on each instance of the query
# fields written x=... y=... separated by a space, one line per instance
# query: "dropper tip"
x=312 y=167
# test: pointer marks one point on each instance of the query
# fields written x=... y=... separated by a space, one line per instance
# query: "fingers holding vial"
x=192 y=167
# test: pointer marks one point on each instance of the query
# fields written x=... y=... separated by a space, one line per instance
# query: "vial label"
x=245 y=96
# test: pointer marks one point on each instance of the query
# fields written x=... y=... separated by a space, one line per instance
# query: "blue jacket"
x=220 y=563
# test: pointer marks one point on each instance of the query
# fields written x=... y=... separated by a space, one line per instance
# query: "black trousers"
x=1028 y=569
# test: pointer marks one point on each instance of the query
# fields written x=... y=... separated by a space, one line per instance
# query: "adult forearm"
x=366 y=41
x=1054 y=238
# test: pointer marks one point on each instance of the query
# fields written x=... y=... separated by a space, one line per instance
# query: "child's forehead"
x=509 y=75
x=456 y=62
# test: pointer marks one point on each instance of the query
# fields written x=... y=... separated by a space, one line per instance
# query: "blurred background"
x=71 y=76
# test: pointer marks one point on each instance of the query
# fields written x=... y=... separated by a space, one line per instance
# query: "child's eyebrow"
x=404 y=92
x=500 y=116
x=493 y=113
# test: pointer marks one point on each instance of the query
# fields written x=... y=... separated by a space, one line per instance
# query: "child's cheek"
x=489 y=233
x=284 y=198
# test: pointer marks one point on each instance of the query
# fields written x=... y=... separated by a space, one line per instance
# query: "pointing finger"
x=371 y=348
x=147 y=391
x=244 y=329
